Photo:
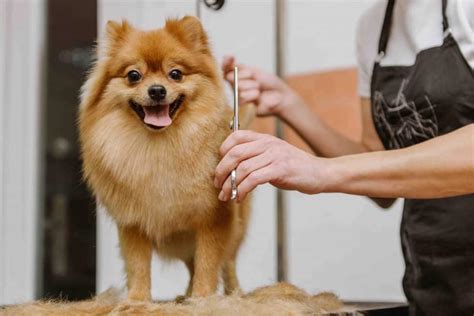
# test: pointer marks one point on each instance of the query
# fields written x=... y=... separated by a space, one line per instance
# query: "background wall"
x=321 y=34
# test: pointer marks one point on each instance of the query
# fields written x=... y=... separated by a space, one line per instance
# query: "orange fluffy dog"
x=152 y=117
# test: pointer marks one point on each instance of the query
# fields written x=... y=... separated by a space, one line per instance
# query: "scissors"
x=235 y=127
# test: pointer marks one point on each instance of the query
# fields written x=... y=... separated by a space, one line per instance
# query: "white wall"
x=321 y=33
x=21 y=58
x=257 y=259
x=338 y=242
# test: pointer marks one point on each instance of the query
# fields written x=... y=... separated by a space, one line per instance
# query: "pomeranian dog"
x=153 y=115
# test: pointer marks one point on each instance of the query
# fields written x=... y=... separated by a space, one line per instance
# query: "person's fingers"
x=225 y=192
x=244 y=168
x=229 y=76
x=250 y=165
x=233 y=158
x=253 y=180
x=248 y=84
x=238 y=137
x=228 y=63
x=249 y=96
x=248 y=91
x=270 y=98
x=244 y=73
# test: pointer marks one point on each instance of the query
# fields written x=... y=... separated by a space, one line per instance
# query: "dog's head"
x=154 y=76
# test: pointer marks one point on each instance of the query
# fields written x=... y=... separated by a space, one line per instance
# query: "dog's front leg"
x=207 y=261
x=136 y=252
x=212 y=242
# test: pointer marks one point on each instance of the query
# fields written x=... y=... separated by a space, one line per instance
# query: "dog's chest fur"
x=162 y=184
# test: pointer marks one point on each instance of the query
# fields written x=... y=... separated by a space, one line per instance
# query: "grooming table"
x=359 y=308
x=375 y=309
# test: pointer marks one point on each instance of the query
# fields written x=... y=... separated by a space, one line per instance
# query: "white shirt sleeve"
x=367 y=39
x=461 y=19
x=364 y=71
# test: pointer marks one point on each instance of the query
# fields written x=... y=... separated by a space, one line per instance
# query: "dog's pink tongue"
x=157 y=115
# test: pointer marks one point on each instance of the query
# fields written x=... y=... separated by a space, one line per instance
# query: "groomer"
x=416 y=84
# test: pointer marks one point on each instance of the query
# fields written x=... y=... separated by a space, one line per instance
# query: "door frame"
x=22 y=52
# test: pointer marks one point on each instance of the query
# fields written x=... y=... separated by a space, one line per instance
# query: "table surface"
x=358 y=308
x=375 y=309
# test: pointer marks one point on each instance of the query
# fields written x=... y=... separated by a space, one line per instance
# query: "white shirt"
x=416 y=25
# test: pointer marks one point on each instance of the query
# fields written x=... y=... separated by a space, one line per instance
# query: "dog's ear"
x=115 y=34
x=189 y=32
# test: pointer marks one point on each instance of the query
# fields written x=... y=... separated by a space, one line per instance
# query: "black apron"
x=411 y=104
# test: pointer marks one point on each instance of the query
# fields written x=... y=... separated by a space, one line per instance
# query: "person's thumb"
x=228 y=63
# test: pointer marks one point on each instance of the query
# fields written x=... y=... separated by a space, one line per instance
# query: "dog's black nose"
x=157 y=92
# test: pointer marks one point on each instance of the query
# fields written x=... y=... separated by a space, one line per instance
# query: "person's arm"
x=440 y=167
x=323 y=140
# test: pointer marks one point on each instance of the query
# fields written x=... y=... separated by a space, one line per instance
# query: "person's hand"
x=271 y=94
x=262 y=158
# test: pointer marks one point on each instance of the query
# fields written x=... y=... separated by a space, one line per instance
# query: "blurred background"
x=53 y=240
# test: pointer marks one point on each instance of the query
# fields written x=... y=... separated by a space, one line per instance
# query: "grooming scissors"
x=235 y=127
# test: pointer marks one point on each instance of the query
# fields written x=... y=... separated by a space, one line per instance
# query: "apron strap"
x=446 y=29
x=445 y=18
x=387 y=24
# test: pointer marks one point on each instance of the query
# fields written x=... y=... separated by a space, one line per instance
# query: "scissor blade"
x=235 y=127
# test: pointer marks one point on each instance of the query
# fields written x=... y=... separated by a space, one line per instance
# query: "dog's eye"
x=133 y=76
x=176 y=75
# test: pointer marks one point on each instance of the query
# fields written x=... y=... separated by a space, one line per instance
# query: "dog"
x=152 y=117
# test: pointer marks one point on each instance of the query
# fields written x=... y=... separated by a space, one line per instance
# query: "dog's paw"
x=139 y=296
x=235 y=292
x=180 y=299
x=183 y=300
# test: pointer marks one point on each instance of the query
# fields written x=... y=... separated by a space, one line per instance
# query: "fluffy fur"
x=279 y=299
x=157 y=185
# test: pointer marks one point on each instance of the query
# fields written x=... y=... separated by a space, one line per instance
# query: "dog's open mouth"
x=157 y=116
